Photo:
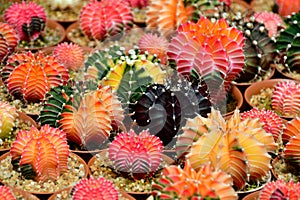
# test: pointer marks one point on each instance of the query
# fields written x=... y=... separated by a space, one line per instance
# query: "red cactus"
x=285 y=98
x=41 y=154
x=136 y=154
x=8 y=40
x=291 y=129
x=27 y=18
x=154 y=44
x=138 y=3
x=92 y=188
x=30 y=76
x=272 y=22
x=272 y=123
x=280 y=190
x=70 y=55
x=6 y=193
x=287 y=7
x=99 y=20
x=177 y=183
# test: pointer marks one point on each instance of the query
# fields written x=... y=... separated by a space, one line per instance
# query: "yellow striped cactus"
x=8 y=116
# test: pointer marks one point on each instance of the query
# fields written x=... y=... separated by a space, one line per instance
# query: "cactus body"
x=8 y=40
x=6 y=193
x=8 y=116
x=291 y=129
x=287 y=7
x=280 y=190
x=272 y=22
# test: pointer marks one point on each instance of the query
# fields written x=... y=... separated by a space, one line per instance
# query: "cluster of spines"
x=8 y=115
x=8 y=40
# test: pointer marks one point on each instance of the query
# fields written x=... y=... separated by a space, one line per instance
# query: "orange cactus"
x=184 y=184
x=41 y=154
x=8 y=116
x=8 y=40
x=237 y=147
x=291 y=151
x=291 y=129
x=31 y=76
x=287 y=7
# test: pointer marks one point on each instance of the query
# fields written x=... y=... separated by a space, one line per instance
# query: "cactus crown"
x=40 y=154
x=27 y=18
x=93 y=188
x=280 y=190
x=137 y=155
x=99 y=20
x=285 y=98
x=8 y=115
x=186 y=183
x=228 y=145
x=70 y=55
x=272 y=22
x=6 y=193
x=29 y=76
x=8 y=40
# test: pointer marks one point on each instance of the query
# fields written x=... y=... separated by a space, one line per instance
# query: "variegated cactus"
x=27 y=18
x=6 y=193
x=287 y=7
x=93 y=188
x=272 y=22
x=287 y=44
x=70 y=55
x=285 y=98
x=99 y=20
x=165 y=16
x=280 y=190
x=29 y=76
x=8 y=40
x=291 y=129
x=212 y=51
x=187 y=183
x=138 y=155
x=40 y=154
x=272 y=123
x=8 y=115
x=237 y=147
x=291 y=152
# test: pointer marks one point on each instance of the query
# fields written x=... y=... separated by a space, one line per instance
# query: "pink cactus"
x=8 y=40
x=137 y=155
x=6 y=193
x=99 y=20
x=138 y=3
x=27 y=18
x=272 y=22
x=280 y=190
x=70 y=55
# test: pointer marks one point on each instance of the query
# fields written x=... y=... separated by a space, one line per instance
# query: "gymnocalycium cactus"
x=291 y=129
x=272 y=22
x=27 y=18
x=187 y=183
x=280 y=190
x=138 y=155
x=6 y=193
x=100 y=19
x=29 y=76
x=237 y=147
x=8 y=115
x=40 y=154
x=8 y=40
x=287 y=7
x=93 y=188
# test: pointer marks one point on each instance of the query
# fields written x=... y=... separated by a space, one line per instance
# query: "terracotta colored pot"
x=252 y=196
x=86 y=155
x=136 y=195
x=286 y=75
x=238 y=97
x=25 y=118
x=46 y=195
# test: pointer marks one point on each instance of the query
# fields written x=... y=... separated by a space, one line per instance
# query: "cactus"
x=272 y=123
x=166 y=15
x=280 y=190
x=237 y=147
x=285 y=98
x=40 y=154
x=287 y=44
x=138 y=3
x=291 y=152
x=287 y=7
x=93 y=188
x=211 y=51
x=272 y=22
x=186 y=183
x=154 y=45
x=99 y=20
x=6 y=193
x=291 y=129
x=70 y=55
x=27 y=18
x=8 y=40
x=29 y=76
x=138 y=155
x=8 y=115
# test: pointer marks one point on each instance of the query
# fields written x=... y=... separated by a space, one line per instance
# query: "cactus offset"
x=291 y=129
x=70 y=55
x=8 y=115
x=186 y=183
x=30 y=76
x=8 y=40
x=285 y=98
x=280 y=190
x=287 y=7
x=237 y=147
x=27 y=18
x=100 y=20
x=92 y=188
x=138 y=155
x=6 y=193
x=40 y=154
x=272 y=22
x=272 y=123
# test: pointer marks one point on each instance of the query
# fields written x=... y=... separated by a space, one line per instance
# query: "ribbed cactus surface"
x=6 y=193
x=291 y=129
x=280 y=190
x=8 y=115
x=8 y=39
